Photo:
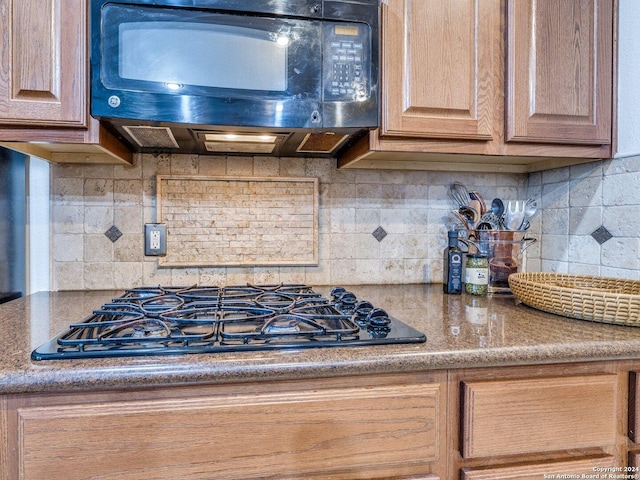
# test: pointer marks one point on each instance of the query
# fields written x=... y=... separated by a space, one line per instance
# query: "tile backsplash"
x=411 y=207
x=576 y=202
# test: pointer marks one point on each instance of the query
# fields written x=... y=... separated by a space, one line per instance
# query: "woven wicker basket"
x=585 y=297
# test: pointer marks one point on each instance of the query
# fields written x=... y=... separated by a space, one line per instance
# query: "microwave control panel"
x=347 y=65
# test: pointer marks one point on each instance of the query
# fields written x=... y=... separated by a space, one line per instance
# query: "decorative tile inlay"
x=601 y=235
x=379 y=233
x=239 y=221
x=113 y=234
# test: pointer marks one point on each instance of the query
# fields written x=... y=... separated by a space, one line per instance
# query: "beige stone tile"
x=239 y=276
x=292 y=167
x=98 y=191
x=67 y=247
x=129 y=248
x=97 y=219
x=129 y=171
x=296 y=275
x=266 y=276
x=98 y=276
x=213 y=276
x=97 y=248
x=68 y=276
x=367 y=271
x=416 y=246
x=129 y=219
x=210 y=165
x=127 y=192
x=99 y=171
x=127 y=275
x=68 y=191
x=266 y=167
x=343 y=246
x=343 y=271
x=319 y=168
x=239 y=166
x=68 y=219
x=621 y=252
x=184 y=164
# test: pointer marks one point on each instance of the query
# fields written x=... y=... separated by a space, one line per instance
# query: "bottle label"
x=455 y=273
x=477 y=276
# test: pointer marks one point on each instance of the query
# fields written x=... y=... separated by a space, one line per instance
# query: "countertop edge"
x=210 y=373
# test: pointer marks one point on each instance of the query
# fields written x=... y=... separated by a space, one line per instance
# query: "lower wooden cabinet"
x=355 y=428
x=471 y=424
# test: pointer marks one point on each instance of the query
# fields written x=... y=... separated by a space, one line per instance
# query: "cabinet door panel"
x=43 y=63
x=538 y=415
x=438 y=66
x=571 y=469
x=559 y=71
x=339 y=431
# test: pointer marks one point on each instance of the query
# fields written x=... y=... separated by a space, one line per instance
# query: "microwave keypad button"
x=346 y=56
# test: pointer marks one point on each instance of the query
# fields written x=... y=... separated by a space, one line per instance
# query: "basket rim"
x=524 y=278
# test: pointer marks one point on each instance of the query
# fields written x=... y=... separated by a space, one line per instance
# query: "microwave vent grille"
x=321 y=142
x=152 y=137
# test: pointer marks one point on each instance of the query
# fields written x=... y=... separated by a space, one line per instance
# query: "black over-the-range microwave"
x=262 y=76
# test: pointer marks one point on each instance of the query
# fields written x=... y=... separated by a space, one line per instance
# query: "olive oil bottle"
x=452 y=281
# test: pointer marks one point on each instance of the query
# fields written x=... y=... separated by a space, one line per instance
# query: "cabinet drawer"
x=537 y=415
x=570 y=469
x=379 y=430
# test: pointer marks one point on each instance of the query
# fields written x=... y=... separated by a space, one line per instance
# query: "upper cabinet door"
x=43 y=62
x=438 y=64
x=559 y=71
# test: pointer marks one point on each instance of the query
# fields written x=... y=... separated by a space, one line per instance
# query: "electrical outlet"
x=155 y=239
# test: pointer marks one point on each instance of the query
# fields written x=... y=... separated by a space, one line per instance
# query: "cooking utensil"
x=459 y=193
x=489 y=221
x=464 y=221
x=514 y=216
x=530 y=209
x=497 y=208
x=480 y=199
x=471 y=214
x=477 y=206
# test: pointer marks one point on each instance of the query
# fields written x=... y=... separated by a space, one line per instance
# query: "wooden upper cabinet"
x=43 y=64
x=492 y=85
x=438 y=68
x=559 y=71
x=44 y=87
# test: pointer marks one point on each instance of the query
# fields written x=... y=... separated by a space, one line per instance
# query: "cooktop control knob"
x=378 y=318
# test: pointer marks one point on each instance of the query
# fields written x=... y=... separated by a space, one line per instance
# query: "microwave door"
x=175 y=65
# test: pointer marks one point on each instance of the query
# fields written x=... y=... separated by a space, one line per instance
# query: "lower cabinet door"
x=508 y=417
x=598 y=467
x=375 y=432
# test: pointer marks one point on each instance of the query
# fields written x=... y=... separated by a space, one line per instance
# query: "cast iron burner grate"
x=181 y=320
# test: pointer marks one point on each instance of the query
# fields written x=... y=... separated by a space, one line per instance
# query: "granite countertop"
x=462 y=331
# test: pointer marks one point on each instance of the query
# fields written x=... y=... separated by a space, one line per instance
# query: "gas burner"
x=210 y=319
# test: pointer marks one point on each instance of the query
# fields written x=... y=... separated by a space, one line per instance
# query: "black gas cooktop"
x=180 y=320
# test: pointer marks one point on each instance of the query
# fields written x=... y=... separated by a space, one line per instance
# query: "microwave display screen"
x=226 y=56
